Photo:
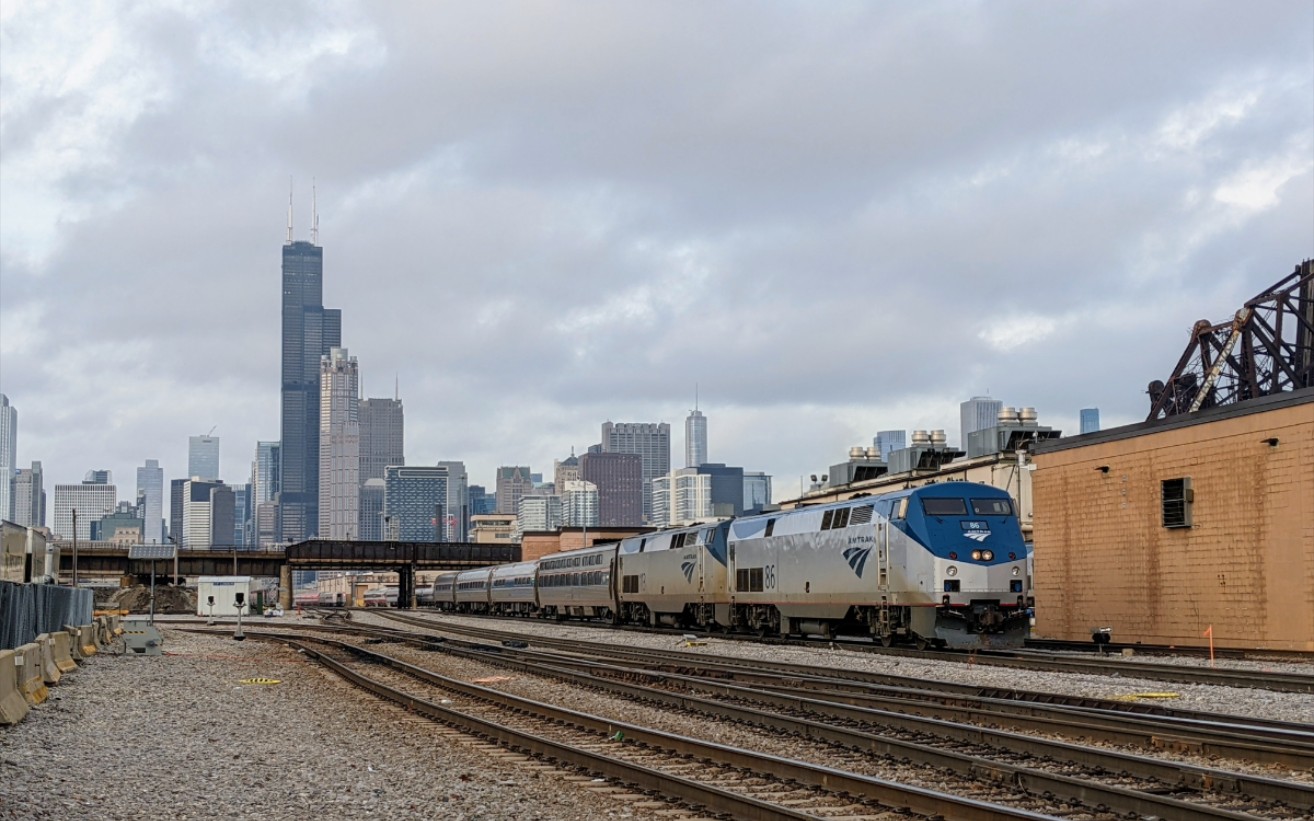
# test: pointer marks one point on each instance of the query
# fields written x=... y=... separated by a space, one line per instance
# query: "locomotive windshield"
x=992 y=507
x=944 y=507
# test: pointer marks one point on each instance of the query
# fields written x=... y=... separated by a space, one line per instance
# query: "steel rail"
x=805 y=672
x=888 y=794
x=1186 y=776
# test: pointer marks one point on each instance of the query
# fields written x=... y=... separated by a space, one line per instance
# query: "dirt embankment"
x=168 y=599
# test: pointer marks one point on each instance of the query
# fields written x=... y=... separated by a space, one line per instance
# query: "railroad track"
x=705 y=776
x=1101 y=781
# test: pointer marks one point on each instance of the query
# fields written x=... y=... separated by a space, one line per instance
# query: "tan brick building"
x=1163 y=529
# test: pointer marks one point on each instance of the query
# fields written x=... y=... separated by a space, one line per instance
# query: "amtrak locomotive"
x=943 y=564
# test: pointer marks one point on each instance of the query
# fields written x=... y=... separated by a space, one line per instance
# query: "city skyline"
x=588 y=244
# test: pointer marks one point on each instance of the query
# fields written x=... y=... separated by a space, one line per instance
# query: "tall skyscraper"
x=512 y=484
x=482 y=503
x=978 y=413
x=1090 y=420
x=264 y=473
x=651 y=441
x=382 y=436
x=150 y=501
x=310 y=331
x=30 y=497
x=888 y=441
x=339 y=446
x=415 y=504
x=203 y=457
x=458 y=502
x=91 y=500
x=8 y=456
x=177 y=489
x=695 y=439
x=565 y=470
x=619 y=479
x=371 y=510
x=242 y=535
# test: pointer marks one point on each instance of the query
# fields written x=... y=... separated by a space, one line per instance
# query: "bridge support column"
x=285 y=587
x=406 y=587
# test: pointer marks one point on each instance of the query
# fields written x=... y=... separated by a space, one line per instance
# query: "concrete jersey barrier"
x=13 y=707
x=50 y=672
x=61 y=643
x=31 y=682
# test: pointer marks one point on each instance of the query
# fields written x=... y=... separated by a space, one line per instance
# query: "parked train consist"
x=943 y=564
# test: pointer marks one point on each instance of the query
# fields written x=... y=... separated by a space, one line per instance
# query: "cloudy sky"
x=833 y=218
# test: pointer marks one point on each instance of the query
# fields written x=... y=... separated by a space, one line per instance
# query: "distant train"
x=943 y=564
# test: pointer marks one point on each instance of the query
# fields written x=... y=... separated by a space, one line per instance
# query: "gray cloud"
x=834 y=219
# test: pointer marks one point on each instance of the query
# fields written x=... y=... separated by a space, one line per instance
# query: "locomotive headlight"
x=1017 y=571
x=987 y=555
x=951 y=570
x=976 y=555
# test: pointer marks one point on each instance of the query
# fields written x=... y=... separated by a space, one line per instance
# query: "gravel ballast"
x=180 y=737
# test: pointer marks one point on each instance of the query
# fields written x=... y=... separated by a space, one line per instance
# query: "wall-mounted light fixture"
x=1272 y=441
x=1103 y=468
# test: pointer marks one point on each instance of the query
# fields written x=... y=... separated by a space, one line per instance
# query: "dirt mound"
x=168 y=599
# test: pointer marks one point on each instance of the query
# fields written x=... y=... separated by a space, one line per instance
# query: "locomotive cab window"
x=992 y=507
x=944 y=507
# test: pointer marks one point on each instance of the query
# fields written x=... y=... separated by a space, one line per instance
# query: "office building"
x=265 y=524
x=208 y=511
x=619 y=480
x=651 y=441
x=978 y=413
x=565 y=470
x=415 y=503
x=310 y=331
x=371 y=510
x=709 y=490
x=176 y=489
x=512 y=484
x=243 y=537
x=538 y=513
x=458 y=502
x=1090 y=420
x=339 y=446
x=150 y=501
x=579 y=503
x=91 y=501
x=203 y=457
x=482 y=503
x=888 y=441
x=8 y=456
x=757 y=492
x=98 y=477
x=264 y=473
x=695 y=439
x=382 y=436
x=122 y=527
x=30 y=497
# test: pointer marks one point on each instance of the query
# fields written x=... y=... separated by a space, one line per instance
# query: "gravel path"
x=179 y=737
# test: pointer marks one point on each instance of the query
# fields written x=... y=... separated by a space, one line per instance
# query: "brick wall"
x=1245 y=566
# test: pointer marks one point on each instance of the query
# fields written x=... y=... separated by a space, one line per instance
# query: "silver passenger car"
x=472 y=590
x=513 y=589
x=676 y=577
x=578 y=583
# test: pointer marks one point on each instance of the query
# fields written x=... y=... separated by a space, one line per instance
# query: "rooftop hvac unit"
x=1007 y=416
x=938 y=439
x=1027 y=416
x=921 y=437
x=873 y=453
x=856 y=452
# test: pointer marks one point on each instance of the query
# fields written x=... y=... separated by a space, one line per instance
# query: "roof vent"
x=1027 y=416
x=1007 y=416
x=921 y=437
x=938 y=439
x=856 y=452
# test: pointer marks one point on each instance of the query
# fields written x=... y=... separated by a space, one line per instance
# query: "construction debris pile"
x=168 y=599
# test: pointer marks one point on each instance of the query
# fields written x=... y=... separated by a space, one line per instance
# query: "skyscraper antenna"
x=289 y=210
x=314 y=214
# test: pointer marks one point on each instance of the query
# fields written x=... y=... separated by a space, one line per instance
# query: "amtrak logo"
x=857 y=558
x=978 y=536
x=688 y=566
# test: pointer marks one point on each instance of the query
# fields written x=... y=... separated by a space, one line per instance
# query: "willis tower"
x=309 y=331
